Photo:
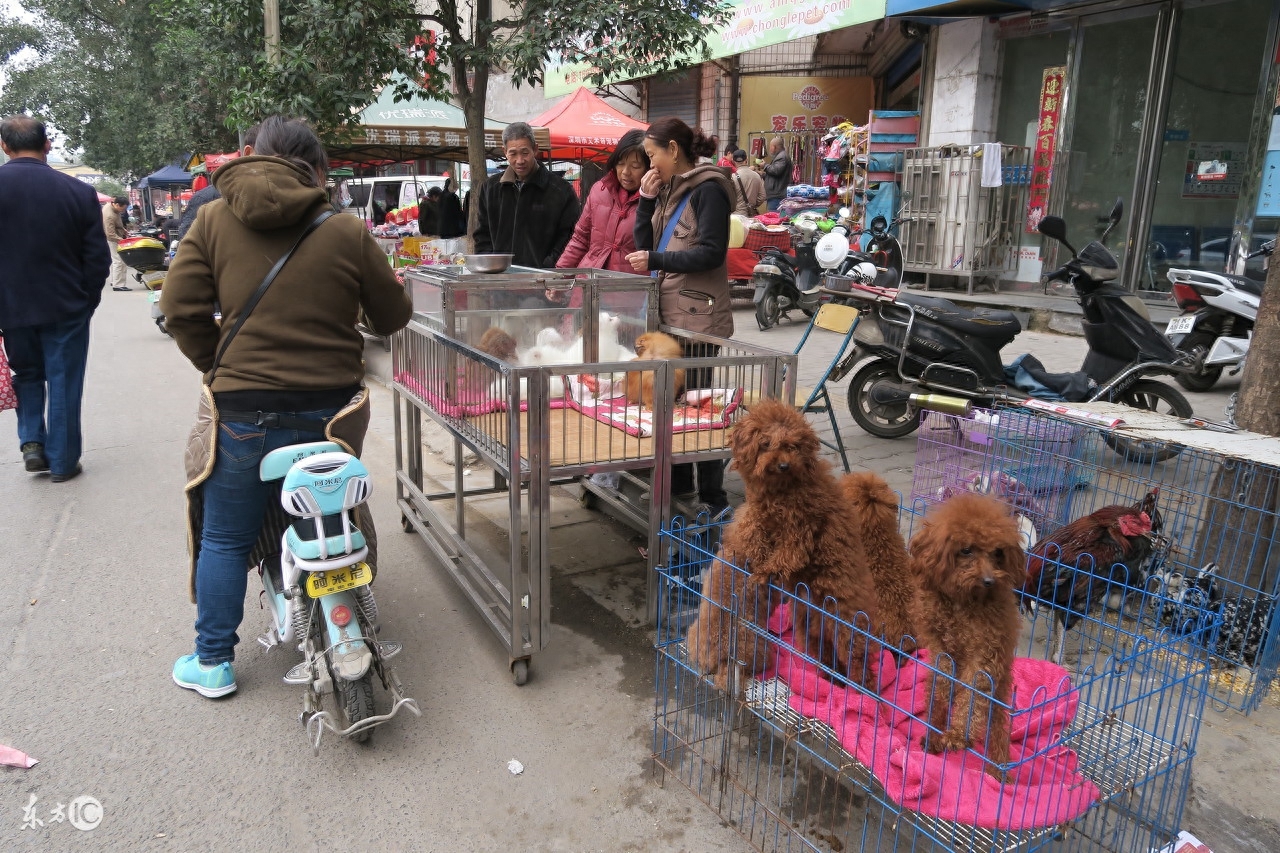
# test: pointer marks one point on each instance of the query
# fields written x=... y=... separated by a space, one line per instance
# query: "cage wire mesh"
x=787 y=748
x=1215 y=520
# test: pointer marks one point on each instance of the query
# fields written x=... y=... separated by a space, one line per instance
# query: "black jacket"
x=452 y=223
x=533 y=222
x=53 y=250
x=429 y=218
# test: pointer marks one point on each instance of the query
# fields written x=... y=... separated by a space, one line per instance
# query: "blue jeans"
x=773 y=203
x=48 y=366
x=235 y=500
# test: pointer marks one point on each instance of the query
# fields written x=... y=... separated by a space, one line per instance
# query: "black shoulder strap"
x=262 y=288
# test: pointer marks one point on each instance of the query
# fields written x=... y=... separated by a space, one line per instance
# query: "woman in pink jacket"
x=603 y=236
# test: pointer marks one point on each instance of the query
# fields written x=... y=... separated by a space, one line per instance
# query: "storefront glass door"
x=1207 y=141
x=1109 y=104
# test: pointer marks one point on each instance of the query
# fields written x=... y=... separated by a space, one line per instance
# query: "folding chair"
x=842 y=319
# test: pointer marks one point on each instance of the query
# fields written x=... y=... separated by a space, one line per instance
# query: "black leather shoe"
x=33 y=457
x=70 y=475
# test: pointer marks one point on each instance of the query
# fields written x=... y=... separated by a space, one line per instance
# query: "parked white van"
x=372 y=198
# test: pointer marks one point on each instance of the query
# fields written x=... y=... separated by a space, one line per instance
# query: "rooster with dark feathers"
x=1078 y=566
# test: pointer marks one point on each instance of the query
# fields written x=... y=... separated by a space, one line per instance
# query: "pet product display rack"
x=798 y=758
x=534 y=426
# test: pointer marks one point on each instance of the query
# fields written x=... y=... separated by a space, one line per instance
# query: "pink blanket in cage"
x=467 y=401
x=602 y=398
x=1046 y=787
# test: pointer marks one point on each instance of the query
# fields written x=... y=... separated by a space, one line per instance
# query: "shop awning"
x=584 y=127
x=393 y=131
x=168 y=177
x=943 y=9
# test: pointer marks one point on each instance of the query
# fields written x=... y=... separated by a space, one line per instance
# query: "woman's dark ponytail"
x=703 y=146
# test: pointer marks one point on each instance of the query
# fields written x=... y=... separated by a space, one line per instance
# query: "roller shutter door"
x=676 y=97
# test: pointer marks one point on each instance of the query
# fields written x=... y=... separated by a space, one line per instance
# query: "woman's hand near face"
x=639 y=261
x=651 y=182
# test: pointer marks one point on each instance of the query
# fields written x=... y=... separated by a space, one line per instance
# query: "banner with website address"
x=752 y=24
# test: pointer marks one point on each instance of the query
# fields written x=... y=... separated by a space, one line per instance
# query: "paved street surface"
x=95 y=610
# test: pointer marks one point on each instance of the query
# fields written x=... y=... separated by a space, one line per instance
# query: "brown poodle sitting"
x=875 y=509
x=794 y=530
x=968 y=560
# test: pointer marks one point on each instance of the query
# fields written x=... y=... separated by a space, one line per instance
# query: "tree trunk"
x=472 y=96
x=1258 y=409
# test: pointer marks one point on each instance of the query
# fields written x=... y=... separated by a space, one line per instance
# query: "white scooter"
x=1218 y=313
x=318 y=592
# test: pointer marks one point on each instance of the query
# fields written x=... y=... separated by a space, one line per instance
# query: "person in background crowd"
x=298 y=360
x=777 y=173
x=726 y=159
x=50 y=284
x=749 y=198
x=453 y=222
x=527 y=210
x=605 y=233
x=113 y=227
x=429 y=213
x=682 y=234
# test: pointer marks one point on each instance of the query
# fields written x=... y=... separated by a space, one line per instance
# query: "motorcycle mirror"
x=845 y=213
x=1055 y=227
x=1113 y=219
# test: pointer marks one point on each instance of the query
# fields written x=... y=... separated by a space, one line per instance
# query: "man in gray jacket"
x=777 y=173
x=113 y=225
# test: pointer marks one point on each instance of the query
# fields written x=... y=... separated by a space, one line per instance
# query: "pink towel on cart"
x=1046 y=787
x=600 y=398
x=467 y=401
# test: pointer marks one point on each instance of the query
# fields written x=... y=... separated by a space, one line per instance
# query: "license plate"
x=1181 y=325
x=320 y=584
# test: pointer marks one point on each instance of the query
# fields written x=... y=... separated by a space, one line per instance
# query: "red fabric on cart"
x=884 y=734
x=741 y=263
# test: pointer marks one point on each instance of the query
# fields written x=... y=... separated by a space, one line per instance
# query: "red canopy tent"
x=584 y=127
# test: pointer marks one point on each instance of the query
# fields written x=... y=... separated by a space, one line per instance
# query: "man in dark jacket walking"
x=528 y=210
x=51 y=279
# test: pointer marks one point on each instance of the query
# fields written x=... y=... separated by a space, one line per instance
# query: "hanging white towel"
x=991 y=165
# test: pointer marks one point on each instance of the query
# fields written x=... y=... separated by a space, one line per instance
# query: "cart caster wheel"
x=405 y=524
x=520 y=671
x=588 y=499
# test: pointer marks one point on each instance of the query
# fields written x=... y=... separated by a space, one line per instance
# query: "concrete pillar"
x=962 y=109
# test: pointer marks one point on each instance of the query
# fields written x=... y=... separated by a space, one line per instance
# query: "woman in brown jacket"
x=682 y=236
x=294 y=373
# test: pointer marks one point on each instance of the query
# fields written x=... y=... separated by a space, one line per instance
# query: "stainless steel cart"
x=502 y=412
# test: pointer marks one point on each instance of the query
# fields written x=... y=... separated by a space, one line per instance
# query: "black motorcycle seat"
x=979 y=322
x=781 y=258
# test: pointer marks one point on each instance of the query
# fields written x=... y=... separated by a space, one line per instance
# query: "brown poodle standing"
x=875 y=509
x=794 y=530
x=968 y=560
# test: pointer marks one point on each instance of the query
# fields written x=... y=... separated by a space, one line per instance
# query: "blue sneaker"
x=211 y=681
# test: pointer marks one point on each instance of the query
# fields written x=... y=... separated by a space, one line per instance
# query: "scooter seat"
x=979 y=322
x=781 y=258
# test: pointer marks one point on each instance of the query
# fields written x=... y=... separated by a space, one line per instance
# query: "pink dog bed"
x=1045 y=789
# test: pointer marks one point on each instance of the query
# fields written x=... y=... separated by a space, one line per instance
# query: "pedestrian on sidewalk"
x=777 y=173
x=682 y=236
x=113 y=226
x=750 y=197
x=293 y=373
x=51 y=274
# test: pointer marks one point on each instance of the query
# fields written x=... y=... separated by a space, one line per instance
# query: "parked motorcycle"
x=836 y=252
x=781 y=282
x=317 y=590
x=149 y=260
x=1218 y=313
x=922 y=344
